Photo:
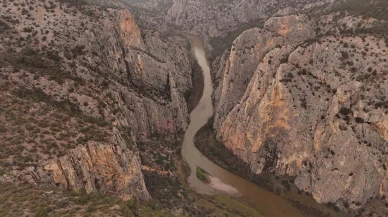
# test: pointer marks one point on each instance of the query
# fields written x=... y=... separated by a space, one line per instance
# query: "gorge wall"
x=81 y=86
x=306 y=97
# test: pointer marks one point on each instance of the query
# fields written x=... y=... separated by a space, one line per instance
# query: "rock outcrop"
x=314 y=107
x=248 y=51
x=95 y=166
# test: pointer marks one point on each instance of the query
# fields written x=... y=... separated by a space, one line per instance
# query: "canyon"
x=96 y=98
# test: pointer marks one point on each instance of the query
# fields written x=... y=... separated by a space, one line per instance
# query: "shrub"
x=203 y=175
x=3 y=129
x=345 y=111
x=68 y=55
x=78 y=50
x=187 y=95
x=359 y=120
x=28 y=30
x=286 y=184
x=98 y=121
x=4 y=26
x=41 y=212
x=345 y=54
x=54 y=55
x=74 y=2
x=343 y=128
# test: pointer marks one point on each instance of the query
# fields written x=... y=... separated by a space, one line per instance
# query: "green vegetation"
x=42 y=64
x=22 y=200
x=3 y=129
x=373 y=8
x=4 y=26
x=227 y=206
x=66 y=106
x=73 y=2
x=172 y=192
x=203 y=175
x=377 y=9
x=34 y=126
x=187 y=95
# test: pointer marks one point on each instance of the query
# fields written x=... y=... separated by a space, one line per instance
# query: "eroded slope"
x=81 y=86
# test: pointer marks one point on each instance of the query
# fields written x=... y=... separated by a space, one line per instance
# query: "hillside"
x=83 y=92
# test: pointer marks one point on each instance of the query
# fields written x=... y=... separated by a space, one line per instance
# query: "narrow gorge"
x=265 y=202
x=194 y=108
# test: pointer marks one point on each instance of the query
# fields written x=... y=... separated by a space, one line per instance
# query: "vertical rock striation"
x=314 y=107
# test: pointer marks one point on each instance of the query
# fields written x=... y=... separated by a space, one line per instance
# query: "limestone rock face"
x=114 y=85
x=314 y=107
x=248 y=51
x=130 y=31
x=94 y=167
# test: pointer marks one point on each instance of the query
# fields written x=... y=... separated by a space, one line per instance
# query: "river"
x=267 y=203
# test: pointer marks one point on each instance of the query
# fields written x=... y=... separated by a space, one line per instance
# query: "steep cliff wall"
x=81 y=86
x=248 y=51
x=314 y=107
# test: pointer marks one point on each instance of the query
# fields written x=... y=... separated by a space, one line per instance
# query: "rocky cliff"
x=218 y=18
x=305 y=96
x=80 y=87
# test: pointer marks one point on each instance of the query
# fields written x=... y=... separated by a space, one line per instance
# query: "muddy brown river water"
x=267 y=203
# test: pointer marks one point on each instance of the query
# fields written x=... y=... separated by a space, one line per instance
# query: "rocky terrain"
x=82 y=90
x=94 y=103
x=92 y=114
x=216 y=18
x=305 y=96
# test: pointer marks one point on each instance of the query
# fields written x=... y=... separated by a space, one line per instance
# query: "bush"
x=41 y=212
x=203 y=175
x=98 y=121
x=73 y=2
x=78 y=50
x=54 y=55
x=345 y=111
x=28 y=30
x=3 y=129
x=359 y=120
x=286 y=184
x=345 y=54
x=336 y=209
x=187 y=95
x=4 y=26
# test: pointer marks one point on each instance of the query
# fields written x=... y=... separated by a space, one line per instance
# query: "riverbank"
x=264 y=202
x=219 y=205
x=207 y=144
